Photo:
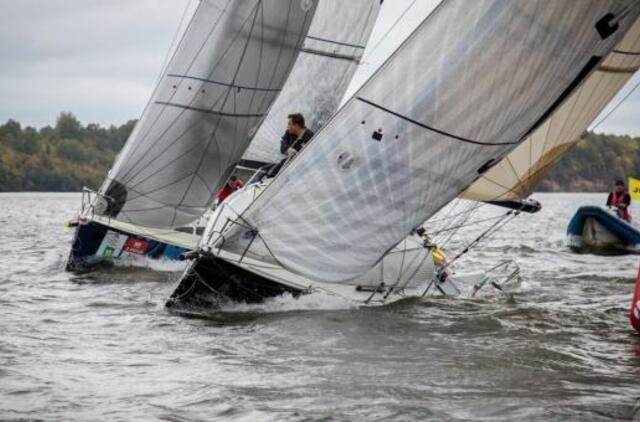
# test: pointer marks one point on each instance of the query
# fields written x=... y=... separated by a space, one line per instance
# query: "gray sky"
x=100 y=59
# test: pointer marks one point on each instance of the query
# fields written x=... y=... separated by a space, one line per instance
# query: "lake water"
x=103 y=347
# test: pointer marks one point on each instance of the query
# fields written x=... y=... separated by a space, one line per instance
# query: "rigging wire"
x=504 y=219
x=626 y=97
x=386 y=34
x=466 y=224
x=174 y=41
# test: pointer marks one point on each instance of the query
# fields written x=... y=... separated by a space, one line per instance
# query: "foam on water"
x=165 y=265
x=318 y=300
x=102 y=346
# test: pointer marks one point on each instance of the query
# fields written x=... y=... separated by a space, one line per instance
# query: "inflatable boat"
x=598 y=230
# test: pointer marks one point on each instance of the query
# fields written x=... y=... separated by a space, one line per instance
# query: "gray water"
x=102 y=347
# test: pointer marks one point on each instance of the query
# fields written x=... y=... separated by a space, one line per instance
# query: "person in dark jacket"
x=294 y=139
x=620 y=200
x=296 y=136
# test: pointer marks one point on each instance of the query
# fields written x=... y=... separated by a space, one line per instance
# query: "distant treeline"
x=62 y=158
x=68 y=156
x=594 y=164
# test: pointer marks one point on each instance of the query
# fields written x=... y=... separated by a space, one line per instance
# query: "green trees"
x=68 y=126
x=68 y=156
x=61 y=158
x=595 y=163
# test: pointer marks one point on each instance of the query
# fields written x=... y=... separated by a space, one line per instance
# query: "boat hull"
x=595 y=230
x=247 y=273
x=96 y=244
x=210 y=281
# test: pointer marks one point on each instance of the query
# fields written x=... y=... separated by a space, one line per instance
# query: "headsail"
x=517 y=175
x=226 y=72
x=330 y=56
x=472 y=82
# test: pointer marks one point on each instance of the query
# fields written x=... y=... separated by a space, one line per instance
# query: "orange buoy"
x=634 y=314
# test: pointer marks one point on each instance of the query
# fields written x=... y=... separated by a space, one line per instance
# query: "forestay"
x=473 y=81
x=226 y=72
x=329 y=57
x=517 y=174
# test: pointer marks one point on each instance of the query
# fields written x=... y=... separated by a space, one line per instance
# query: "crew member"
x=294 y=139
x=232 y=185
x=620 y=200
x=296 y=136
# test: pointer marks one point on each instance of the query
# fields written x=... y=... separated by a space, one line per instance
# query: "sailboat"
x=469 y=86
x=236 y=63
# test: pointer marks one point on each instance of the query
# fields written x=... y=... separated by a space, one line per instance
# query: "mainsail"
x=471 y=83
x=226 y=72
x=517 y=174
x=329 y=57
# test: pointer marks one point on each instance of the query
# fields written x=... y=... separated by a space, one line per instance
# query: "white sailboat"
x=227 y=73
x=473 y=82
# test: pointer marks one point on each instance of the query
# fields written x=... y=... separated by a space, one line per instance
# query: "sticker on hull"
x=112 y=244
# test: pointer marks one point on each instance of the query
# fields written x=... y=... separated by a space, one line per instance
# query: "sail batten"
x=251 y=88
x=489 y=71
x=424 y=126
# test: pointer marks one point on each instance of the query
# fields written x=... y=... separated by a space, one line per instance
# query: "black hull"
x=86 y=241
x=211 y=281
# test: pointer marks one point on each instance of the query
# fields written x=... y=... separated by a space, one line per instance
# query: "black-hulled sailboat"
x=239 y=69
x=465 y=96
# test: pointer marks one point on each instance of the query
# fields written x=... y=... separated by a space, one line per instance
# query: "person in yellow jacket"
x=439 y=257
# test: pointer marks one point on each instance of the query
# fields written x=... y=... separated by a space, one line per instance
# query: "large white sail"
x=517 y=174
x=226 y=72
x=472 y=82
x=330 y=56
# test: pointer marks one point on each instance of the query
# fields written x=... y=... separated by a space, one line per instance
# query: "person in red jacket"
x=620 y=200
x=232 y=185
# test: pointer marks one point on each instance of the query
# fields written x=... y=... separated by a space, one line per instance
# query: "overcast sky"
x=100 y=59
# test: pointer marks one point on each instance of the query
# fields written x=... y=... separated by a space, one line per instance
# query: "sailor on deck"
x=232 y=185
x=620 y=200
x=296 y=136
x=294 y=139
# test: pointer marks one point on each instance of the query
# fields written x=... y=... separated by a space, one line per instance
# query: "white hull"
x=251 y=275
